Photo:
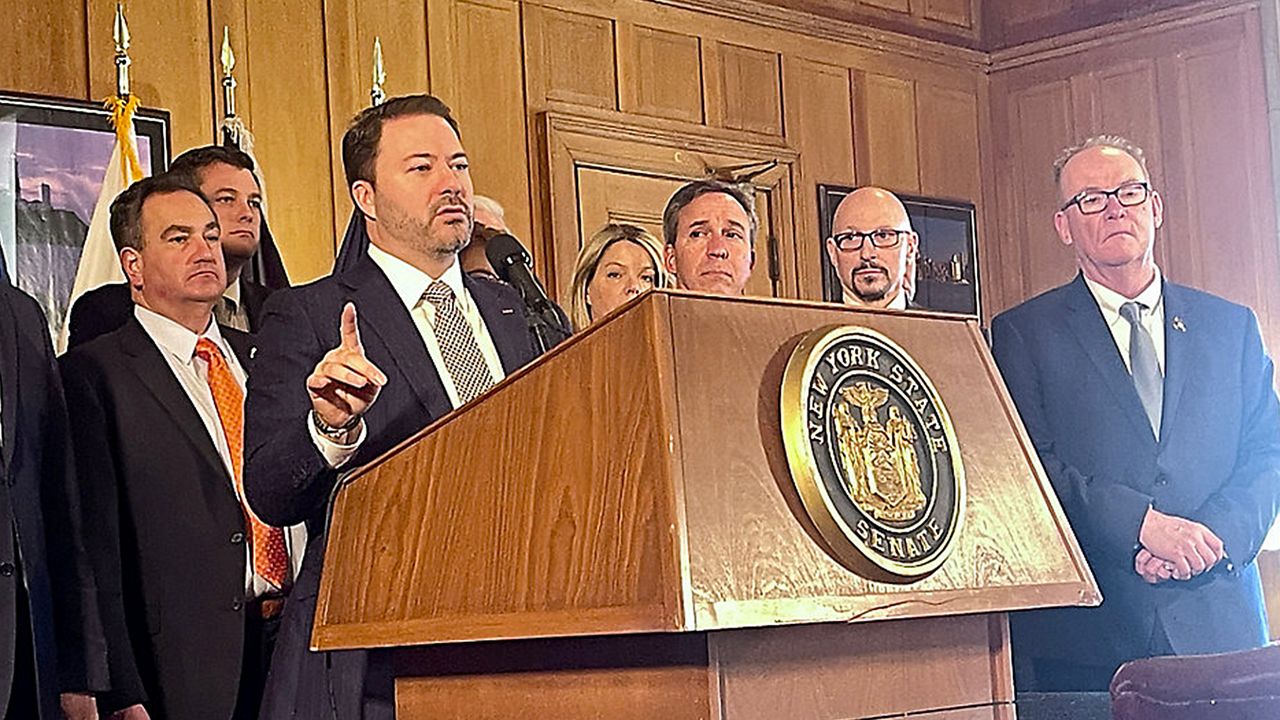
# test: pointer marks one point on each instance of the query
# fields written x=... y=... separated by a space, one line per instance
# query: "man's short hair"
x=1118 y=142
x=193 y=162
x=692 y=191
x=126 y=209
x=364 y=134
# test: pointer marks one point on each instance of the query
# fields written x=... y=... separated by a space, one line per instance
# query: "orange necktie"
x=270 y=558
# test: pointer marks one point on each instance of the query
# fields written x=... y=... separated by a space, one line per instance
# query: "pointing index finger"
x=350 y=330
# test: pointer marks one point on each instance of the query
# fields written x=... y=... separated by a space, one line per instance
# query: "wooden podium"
x=613 y=532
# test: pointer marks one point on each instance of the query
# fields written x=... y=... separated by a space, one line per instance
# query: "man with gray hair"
x=1152 y=409
x=490 y=219
x=709 y=228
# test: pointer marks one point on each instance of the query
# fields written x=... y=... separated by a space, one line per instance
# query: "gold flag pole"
x=376 y=95
x=228 y=80
x=121 y=36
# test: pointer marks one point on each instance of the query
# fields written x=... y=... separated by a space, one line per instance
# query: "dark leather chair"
x=1240 y=685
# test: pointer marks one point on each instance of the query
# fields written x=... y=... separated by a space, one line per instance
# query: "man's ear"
x=1157 y=208
x=669 y=258
x=131 y=263
x=362 y=193
x=1061 y=225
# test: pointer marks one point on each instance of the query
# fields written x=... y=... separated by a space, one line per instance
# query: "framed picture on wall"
x=53 y=157
x=947 y=260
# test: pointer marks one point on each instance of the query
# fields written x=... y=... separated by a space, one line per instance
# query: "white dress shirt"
x=1151 y=318
x=178 y=347
x=410 y=284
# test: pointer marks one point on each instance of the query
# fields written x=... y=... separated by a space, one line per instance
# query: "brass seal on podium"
x=872 y=452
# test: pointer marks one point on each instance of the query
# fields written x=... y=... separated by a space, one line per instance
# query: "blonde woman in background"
x=617 y=263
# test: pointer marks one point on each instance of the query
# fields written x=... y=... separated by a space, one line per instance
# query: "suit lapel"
x=387 y=322
x=156 y=376
x=10 y=378
x=505 y=321
x=1091 y=331
x=1180 y=349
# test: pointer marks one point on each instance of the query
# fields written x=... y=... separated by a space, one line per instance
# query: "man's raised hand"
x=344 y=383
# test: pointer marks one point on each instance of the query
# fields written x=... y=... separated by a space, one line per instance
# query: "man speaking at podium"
x=1152 y=409
x=354 y=363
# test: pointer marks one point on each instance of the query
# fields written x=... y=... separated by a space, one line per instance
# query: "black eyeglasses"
x=1092 y=202
x=883 y=238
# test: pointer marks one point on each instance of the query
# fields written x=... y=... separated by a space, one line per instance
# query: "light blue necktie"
x=1143 y=364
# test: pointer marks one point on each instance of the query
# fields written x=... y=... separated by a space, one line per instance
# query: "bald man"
x=873 y=249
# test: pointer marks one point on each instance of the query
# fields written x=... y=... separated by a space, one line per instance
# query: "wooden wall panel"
x=476 y=67
x=752 y=89
x=291 y=125
x=1230 y=237
x=1012 y=22
x=1038 y=125
x=662 y=73
x=819 y=124
x=952 y=12
x=1165 y=86
x=46 y=48
x=171 y=67
x=885 y=113
x=947 y=123
x=570 y=57
x=350 y=29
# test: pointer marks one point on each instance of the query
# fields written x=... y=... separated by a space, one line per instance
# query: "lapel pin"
x=508 y=311
x=1178 y=324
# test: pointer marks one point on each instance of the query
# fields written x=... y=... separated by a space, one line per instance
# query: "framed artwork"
x=53 y=157
x=946 y=263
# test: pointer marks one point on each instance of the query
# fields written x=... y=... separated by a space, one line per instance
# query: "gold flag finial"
x=121 y=36
x=228 y=80
x=377 y=95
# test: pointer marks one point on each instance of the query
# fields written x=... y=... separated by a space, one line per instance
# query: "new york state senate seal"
x=872 y=452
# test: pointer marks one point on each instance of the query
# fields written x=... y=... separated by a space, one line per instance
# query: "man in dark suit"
x=50 y=633
x=709 y=232
x=330 y=392
x=188 y=579
x=873 y=249
x=1152 y=409
x=227 y=179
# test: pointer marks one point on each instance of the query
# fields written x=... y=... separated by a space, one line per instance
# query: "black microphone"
x=513 y=265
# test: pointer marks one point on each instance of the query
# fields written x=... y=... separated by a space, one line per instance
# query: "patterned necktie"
x=1143 y=364
x=270 y=558
x=458 y=347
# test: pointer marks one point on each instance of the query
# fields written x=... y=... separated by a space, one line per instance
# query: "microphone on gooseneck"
x=513 y=265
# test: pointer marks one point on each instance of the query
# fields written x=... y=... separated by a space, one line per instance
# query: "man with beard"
x=431 y=336
x=873 y=248
x=709 y=228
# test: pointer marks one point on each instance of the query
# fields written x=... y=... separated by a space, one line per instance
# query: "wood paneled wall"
x=1191 y=92
x=855 y=105
x=881 y=108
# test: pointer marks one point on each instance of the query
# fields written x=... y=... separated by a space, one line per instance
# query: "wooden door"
x=607 y=169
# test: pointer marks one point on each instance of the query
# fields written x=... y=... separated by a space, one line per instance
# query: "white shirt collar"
x=233 y=292
x=1110 y=300
x=172 y=337
x=899 y=302
x=410 y=283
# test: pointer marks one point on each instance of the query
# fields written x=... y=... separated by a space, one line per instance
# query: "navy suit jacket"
x=286 y=478
x=1217 y=462
x=41 y=539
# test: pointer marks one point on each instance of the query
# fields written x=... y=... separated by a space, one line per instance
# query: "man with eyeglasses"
x=1151 y=407
x=873 y=249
